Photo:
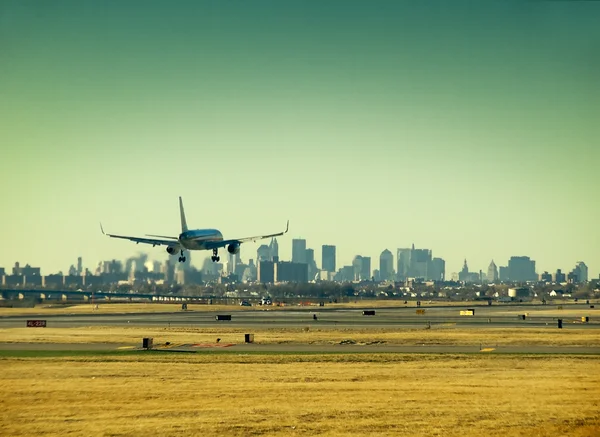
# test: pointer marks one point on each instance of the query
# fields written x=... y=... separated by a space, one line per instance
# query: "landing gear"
x=182 y=258
x=215 y=257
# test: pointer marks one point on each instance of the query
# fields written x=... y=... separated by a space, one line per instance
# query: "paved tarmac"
x=492 y=316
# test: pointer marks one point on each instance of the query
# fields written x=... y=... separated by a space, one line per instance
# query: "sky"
x=469 y=128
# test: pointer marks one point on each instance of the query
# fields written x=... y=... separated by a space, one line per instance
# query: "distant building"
x=265 y=272
x=328 y=258
x=79 y=266
x=291 y=272
x=2 y=271
x=386 y=265
x=463 y=276
x=492 y=273
x=546 y=277
x=362 y=268
x=263 y=254
x=312 y=265
x=25 y=271
x=420 y=261
x=559 y=277
x=345 y=274
x=521 y=269
x=402 y=263
x=503 y=274
x=299 y=251
x=274 y=249
x=579 y=273
x=438 y=270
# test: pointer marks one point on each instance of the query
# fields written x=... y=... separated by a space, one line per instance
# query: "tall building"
x=263 y=254
x=386 y=265
x=521 y=269
x=438 y=270
x=357 y=267
x=463 y=276
x=545 y=277
x=503 y=274
x=365 y=271
x=299 y=251
x=291 y=272
x=274 y=249
x=492 y=273
x=312 y=265
x=79 y=266
x=328 y=258
x=579 y=273
x=265 y=272
x=559 y=277
x=583 y=271
x=402 y=263
x=420 y=261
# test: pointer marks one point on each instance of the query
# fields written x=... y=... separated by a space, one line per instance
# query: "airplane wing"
x=154 y=242
x=217 y=244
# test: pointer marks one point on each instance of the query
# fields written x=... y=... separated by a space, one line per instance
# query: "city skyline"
x=463 y=274
x=469 y=128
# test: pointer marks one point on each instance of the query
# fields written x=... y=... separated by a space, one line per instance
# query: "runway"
x=488 y=316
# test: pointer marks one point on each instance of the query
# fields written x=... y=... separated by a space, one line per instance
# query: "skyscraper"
x=463 y=276
x=79 y=266
x=328 y=258
x=299 y=251
x=521 y=269
x=492 y=273
x=420 y=261
x=274 y=248
x=386 y=265
x=357 y=267
x=263 y=253
x=579 y=273
x=365 y=270
x=403 y=263
x=312 y=265
x=438 y=269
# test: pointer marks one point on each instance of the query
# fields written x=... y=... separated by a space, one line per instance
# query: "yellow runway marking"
x=126 y=347
x=487 y=349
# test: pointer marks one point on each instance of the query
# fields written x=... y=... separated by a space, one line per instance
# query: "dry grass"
x=444 y=335
x=241 y=395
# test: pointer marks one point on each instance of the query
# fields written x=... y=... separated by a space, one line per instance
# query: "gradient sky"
x=470 y=128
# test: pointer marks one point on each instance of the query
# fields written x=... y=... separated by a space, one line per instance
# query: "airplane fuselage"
x=196 y=239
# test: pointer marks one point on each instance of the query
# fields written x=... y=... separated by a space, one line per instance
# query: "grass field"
x=329 y=395
x=440 y=335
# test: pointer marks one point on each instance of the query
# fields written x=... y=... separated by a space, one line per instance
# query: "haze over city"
x=467 y=128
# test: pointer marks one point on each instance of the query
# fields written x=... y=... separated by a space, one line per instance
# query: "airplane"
x=195 y=239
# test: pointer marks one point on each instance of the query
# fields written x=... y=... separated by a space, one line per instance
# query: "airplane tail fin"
x=184 y=227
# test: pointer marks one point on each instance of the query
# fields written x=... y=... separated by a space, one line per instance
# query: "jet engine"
x=173 y=250
x=233 y=248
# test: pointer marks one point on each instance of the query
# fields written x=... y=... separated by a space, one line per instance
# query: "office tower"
x=438 y=269
x=492 y=273
x=403 y=263
x=299 y=251
x=386 y=265
x=521 y=269
x=328 y=258
x=463 y=276
x=79 y=266
x=263 y=254
x=274 y=249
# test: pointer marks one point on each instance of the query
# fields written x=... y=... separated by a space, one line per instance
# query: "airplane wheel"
x=183 y=259
x=218 y=258
x=179 y=259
